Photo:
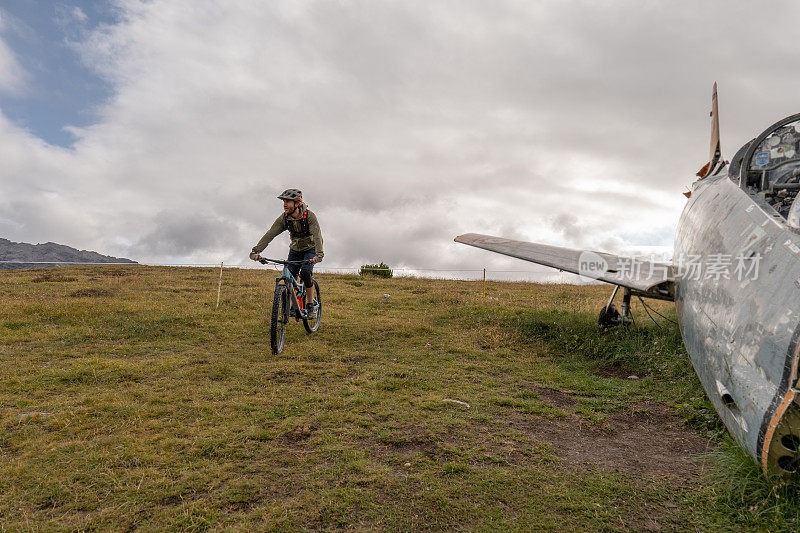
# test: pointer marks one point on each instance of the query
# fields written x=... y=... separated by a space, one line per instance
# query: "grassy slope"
x=160 y=412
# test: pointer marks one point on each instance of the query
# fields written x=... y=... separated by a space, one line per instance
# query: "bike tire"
x=279 y=319
x=313 y=324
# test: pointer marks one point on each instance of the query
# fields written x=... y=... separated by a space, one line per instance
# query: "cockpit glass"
x=779 y=147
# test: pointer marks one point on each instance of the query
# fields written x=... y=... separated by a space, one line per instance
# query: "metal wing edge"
x=648 y=278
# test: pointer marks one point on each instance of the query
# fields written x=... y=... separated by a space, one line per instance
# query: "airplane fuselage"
x=740 y=314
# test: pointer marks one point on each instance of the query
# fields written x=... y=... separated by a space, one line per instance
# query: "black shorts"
x=301 y=256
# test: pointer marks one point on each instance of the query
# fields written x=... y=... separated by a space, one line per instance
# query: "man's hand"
x=254 y=256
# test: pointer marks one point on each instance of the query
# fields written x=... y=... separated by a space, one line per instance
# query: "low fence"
x=466 y=274
x=435 y=273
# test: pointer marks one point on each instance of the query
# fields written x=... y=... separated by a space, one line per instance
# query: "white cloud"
x=67 y=16
x=12 y=75
x=405 y=123
x=78 y=15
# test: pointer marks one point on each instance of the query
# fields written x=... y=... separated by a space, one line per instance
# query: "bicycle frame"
x=296 y=289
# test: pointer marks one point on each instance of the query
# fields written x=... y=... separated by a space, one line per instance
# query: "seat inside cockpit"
x=769 y=166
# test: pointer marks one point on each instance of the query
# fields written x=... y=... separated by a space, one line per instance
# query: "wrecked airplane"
x=735 y=280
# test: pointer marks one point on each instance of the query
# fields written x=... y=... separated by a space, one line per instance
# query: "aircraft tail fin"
x=715 y=152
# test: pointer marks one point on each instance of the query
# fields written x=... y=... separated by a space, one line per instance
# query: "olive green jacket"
x=299 y=244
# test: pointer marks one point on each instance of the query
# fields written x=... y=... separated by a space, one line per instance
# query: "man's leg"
x=305 y=275
x=294 y=268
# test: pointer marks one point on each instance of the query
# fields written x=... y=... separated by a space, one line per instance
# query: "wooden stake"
x=484 y=285
x=219 y=288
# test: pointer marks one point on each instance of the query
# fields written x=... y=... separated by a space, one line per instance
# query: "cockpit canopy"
x=770 y=166
x=773 y=157
x=778 y=149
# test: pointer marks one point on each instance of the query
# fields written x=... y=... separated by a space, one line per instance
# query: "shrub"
x=382 y=270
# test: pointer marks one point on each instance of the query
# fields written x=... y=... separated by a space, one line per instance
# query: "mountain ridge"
x=40 y=255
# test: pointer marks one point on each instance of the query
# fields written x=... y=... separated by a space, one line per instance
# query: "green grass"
x=752 y=500
x=128 y=401
x=739 y=488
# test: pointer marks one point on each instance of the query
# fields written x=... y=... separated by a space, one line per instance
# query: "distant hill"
x=49 y=251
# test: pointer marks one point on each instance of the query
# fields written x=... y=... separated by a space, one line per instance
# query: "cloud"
x=72 y=22
x=404 y=123
x=12 y=75
x=69 y=16
x=177 y=234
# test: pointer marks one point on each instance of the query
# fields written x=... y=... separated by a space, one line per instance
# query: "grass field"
x=127 y=401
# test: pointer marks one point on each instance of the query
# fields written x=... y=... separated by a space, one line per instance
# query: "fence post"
x=484 y=285
x=219 y=287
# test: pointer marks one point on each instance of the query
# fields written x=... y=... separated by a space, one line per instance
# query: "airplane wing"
x=645 y=278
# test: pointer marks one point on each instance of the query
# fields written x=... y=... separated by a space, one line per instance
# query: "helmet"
x=291 y=194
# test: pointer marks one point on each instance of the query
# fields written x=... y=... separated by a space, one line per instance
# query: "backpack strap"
x=305 y=228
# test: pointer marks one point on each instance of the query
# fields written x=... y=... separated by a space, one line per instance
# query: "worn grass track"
x=127 y=401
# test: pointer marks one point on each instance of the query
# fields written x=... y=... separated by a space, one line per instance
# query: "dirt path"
x=646 y=439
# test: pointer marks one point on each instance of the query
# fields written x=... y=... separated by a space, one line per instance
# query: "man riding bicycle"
x=306 y=240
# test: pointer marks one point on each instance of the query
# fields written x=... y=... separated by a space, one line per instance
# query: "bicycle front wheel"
x=313 y=324
x=279 y=318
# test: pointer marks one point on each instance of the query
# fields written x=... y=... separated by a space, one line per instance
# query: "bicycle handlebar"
x=266 y=260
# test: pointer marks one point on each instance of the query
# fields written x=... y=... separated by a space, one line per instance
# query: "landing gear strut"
x=610 y=317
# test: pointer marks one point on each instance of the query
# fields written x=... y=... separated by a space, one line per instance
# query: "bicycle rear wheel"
x=313 y=324
x=279 y=318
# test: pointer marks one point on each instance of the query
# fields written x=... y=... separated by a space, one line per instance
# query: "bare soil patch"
x=90 y=292
x=646 y=439
x=556 y=398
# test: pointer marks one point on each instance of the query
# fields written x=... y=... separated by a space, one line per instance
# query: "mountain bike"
x=288 y=301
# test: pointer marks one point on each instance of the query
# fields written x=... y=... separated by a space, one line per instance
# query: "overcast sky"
x=163 y=130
